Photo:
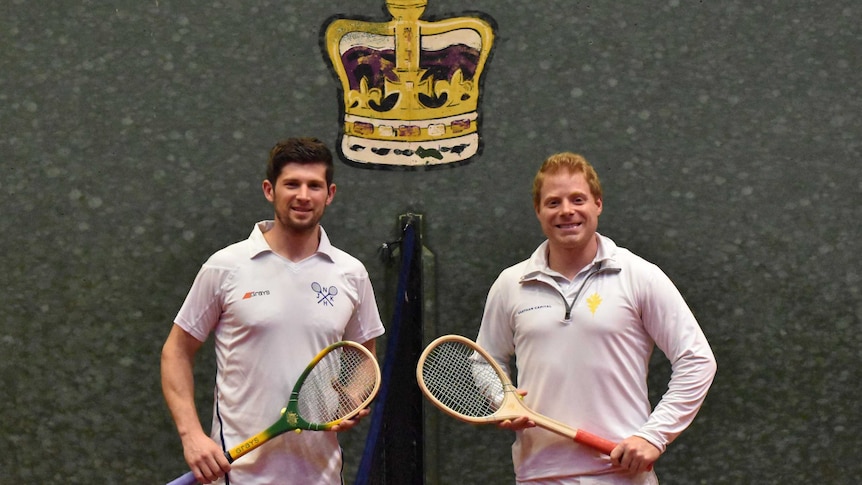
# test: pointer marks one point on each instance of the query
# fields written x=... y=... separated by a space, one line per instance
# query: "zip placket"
x=600 y=268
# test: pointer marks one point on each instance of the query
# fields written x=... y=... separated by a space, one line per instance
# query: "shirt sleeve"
x=365 y=323
x=671 y=324
x=496 y=331
x=202 y=308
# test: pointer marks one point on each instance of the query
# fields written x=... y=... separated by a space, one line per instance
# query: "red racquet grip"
x=593 y=441
x=601 y=444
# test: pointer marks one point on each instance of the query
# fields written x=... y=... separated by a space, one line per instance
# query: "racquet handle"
x=578 y=435
x=187 y=479
x=591 y=440
x=597 y=442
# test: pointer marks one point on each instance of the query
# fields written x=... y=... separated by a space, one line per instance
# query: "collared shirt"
x=583 y=355
x=269 y=317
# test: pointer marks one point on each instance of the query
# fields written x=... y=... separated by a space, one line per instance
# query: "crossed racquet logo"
x=324 y=295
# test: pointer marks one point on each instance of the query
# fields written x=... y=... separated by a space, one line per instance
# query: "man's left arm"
x=671 y=324
x=676 y=332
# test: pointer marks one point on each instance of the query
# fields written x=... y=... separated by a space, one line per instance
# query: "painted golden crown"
x=410 y=87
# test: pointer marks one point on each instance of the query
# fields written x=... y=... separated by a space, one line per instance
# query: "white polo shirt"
x=270 y=317
x=583 y=350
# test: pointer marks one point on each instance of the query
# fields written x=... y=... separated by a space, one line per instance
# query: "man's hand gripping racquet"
x=339 y=382
x=461 y=379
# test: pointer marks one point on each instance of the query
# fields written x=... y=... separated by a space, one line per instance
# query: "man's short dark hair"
x=304 y=150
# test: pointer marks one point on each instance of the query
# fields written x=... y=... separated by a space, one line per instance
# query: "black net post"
x=394 y=450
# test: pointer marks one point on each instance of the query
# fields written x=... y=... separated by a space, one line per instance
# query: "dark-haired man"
x=271 y=302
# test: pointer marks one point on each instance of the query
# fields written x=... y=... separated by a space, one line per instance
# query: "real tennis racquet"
x=339 y=382
x=459 y=377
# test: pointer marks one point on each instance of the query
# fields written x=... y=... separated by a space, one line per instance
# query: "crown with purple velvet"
x=410 y=87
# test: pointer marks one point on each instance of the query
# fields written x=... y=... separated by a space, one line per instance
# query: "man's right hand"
x=205 y=458
x=518 y=424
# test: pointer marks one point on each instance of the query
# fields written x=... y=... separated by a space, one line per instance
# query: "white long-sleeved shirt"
x=582 y=352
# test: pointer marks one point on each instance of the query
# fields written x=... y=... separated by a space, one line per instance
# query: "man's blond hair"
x=570 y=162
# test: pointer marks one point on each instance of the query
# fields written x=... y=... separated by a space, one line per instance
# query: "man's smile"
x=569 y=225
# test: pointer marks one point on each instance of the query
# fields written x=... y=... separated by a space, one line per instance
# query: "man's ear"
x=331 y=194
x=268 y=190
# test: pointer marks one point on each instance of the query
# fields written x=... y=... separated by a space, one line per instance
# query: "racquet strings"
x=337 y=385
x=462 y=379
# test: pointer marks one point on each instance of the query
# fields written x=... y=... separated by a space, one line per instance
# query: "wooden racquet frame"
x=512 y=405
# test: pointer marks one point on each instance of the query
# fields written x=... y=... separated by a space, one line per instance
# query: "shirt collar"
x=537 y=265
x=259 y=244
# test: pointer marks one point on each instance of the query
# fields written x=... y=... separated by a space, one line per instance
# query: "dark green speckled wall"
x=133 y=136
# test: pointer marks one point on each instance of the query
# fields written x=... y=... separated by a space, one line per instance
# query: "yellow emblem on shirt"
x=593 y=302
